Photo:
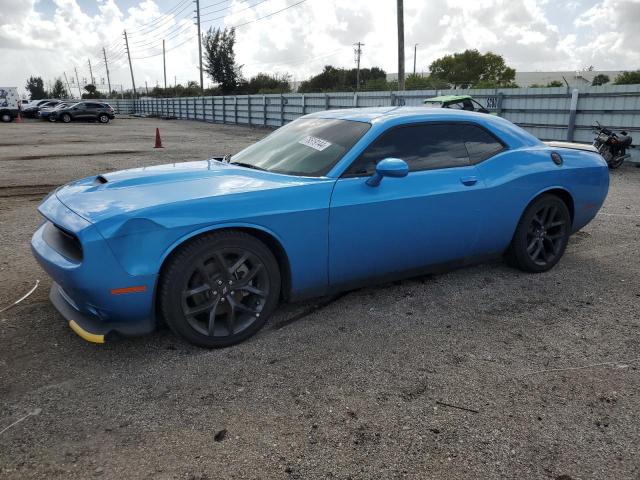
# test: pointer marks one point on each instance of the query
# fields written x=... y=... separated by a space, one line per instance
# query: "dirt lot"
x=355 y=389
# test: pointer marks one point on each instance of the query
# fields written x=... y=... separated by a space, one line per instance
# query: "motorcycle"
x=612 y=146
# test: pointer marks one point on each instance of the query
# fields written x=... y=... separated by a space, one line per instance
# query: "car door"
x=92 y=110
x=79 y=111
x=432 y=216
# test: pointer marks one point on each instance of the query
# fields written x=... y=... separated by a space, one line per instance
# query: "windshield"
x=306 y=147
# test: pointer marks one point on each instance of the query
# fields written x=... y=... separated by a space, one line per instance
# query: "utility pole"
x=146 y=87
x=164 y=65
x=199 y=43
x=400 y=45
x=358 y=52
x=93 y=81
x=68 y=86
x=133 y=82
x=107 y=67
x=415 y=53
x=78 y=80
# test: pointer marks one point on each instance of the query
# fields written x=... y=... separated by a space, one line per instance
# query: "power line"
x=213 y=4
x=233 y=13
x=168 y=49
x=162 y=17
x=270 y=15
x=162 y=32
x=165 y=26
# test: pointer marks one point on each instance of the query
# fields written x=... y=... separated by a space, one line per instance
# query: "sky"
x=51 y=38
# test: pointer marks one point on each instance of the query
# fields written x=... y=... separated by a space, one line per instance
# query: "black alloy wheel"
x=541 y=236
x=220 y=289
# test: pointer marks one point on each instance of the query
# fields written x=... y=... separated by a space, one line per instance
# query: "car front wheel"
x=5 y=117
x=541 y=236
x=219 y=289
x=66 y=118
x=103 y=118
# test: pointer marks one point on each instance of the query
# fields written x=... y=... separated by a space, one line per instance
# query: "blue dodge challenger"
x=330 y=202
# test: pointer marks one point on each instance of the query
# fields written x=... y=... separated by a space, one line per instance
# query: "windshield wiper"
x=247 y=165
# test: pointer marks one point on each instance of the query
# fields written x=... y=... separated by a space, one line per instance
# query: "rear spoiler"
x=574 y=146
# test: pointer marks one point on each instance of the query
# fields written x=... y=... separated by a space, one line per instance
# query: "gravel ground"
x=485 y=372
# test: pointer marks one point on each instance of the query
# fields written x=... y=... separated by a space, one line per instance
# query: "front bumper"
x=94 y=291
x=90 y=327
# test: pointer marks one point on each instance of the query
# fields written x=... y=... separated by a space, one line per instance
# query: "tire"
x=6 y=117
x=541 y=235
x=103 y=118
x=616 y=162
x=51 y=118
x=194 y=289
x=66 y=118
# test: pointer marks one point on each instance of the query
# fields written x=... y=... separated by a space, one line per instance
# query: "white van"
x=9 y=103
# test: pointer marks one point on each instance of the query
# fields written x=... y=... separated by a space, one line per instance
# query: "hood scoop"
x=100 y=180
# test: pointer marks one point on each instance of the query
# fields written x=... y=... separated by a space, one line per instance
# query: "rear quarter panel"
x=515 y=177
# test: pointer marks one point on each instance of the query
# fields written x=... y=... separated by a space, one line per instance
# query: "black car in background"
x=92 y=111
x=34 y=107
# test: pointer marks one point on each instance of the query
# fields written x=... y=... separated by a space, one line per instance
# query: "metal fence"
x=548 y=113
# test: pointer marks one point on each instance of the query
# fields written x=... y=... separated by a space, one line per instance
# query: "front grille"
x=63 y=242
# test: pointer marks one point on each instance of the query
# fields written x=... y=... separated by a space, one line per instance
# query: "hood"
x=110 y=194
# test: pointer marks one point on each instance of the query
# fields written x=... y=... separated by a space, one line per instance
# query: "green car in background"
x=457 y=102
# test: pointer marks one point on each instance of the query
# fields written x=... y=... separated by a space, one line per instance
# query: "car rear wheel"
x=103 y=118
x=541 y=236
x=66 y=118
x=51 y=118
x=5 y=117
x=219 y=289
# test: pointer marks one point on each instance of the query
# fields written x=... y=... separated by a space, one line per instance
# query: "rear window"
x=480 y=143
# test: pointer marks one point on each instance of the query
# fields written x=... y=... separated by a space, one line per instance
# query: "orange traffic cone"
x=19 y=118
x=158 y=141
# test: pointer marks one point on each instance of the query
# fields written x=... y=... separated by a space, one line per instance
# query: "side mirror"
x=389 y=167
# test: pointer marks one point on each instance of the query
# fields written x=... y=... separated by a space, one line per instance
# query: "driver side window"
x=423 y=147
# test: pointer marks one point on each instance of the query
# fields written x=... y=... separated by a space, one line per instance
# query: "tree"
x=265 y=83
x=471 y=68
x=92 y=92
x=35 y=86
x=600 y=79
x=334 y=79
x=59 y=90
x=628 y=78
x=220 y=63
x=555 y=83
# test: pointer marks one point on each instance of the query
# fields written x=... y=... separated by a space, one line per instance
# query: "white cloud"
x=301 y=39
x=612 y=29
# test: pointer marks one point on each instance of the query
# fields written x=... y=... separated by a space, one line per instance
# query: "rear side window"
x=480 y=143
x=423 y=147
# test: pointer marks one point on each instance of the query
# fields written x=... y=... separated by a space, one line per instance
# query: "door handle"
x=468 y=181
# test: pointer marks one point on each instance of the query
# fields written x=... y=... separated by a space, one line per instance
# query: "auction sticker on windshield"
x=315 y=143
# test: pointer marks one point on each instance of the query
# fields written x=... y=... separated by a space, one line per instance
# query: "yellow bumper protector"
x=82 y=333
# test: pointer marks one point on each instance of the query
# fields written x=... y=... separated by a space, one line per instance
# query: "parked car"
x=102 y=112
x=457 y=102
x=45 y=112
x=329 y=202
x=10 y=103
x=32 y=110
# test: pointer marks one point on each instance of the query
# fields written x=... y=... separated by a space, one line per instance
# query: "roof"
x=447 y=98
x=385 y=117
